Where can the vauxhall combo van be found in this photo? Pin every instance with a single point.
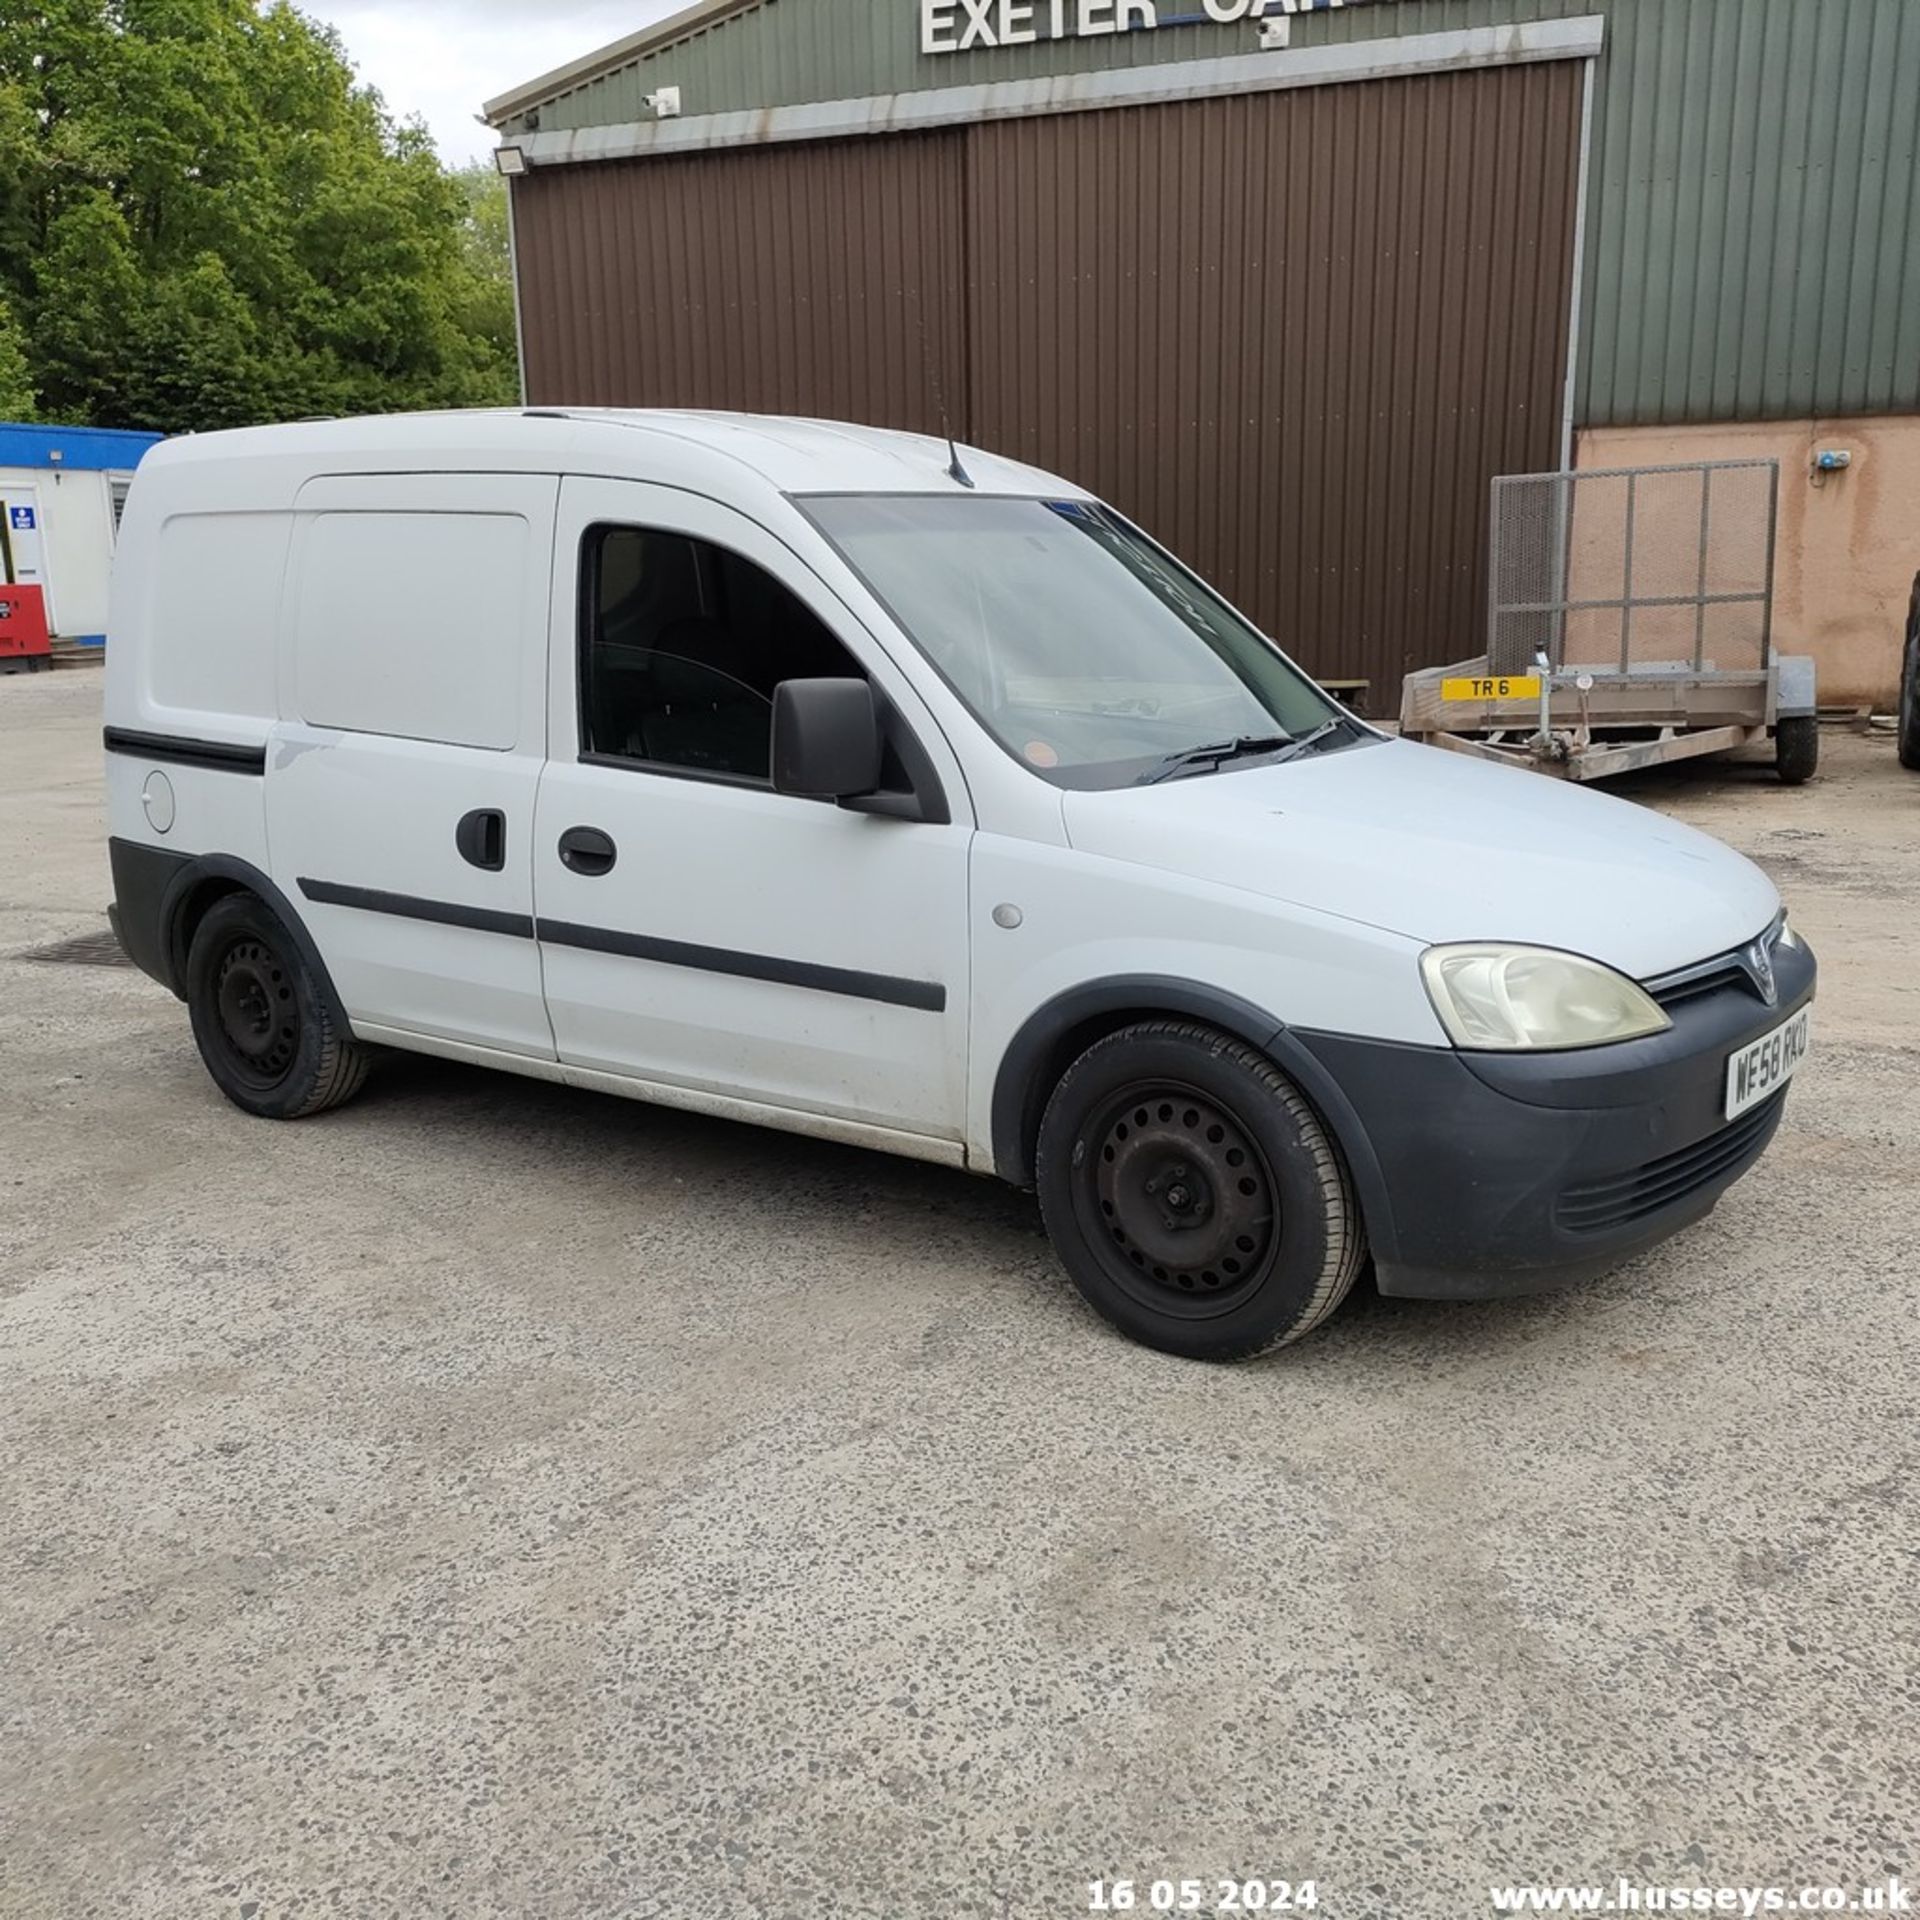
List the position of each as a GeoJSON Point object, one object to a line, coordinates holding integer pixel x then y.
{"type": "Point", "coordinates": [856, 784]}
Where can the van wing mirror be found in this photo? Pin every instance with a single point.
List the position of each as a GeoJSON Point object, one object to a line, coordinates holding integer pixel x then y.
{"type": "Point", "coordinates": [826, 739]}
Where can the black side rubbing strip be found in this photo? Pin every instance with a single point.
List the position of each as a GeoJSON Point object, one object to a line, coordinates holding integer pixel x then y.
{"type": "Point", "coordinates": [925, 996]}
{"type": "Point", "coordinates": [214, 755]}
{"type": "Point", "coordinates": [407, 906]}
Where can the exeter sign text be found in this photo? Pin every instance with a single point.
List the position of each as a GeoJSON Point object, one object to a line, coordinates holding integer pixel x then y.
{"type": "Point", "coordinates": [958, 26]}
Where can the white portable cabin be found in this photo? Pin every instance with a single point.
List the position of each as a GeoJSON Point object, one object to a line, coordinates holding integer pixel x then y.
{"type": "Point", "coordinates": [61, 492]}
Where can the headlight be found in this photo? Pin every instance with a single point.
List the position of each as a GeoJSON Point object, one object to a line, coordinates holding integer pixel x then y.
{"type": "Point", "coordinates": [1532, 998]}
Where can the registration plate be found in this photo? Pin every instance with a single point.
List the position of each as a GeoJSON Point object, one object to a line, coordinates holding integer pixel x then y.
{"type": "Point", "coordinates": [1768, 1064]}
{"type": "Point", "coordinates": [1508, 686]}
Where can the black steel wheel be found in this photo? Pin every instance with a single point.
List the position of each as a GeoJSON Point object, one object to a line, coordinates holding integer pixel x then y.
{"type": "Point", "coordinates": [259, 1019]}
{"type": "Point", "coordinates": [1192, 1194]}
{"type": "Point", "coordinates": [1185, 1200]}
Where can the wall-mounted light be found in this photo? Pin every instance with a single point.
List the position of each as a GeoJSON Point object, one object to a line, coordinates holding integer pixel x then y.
{"type": "Point", "coordinates": [665, 103]}
{"type": "Point", "coordinates": [1826, 463]}
{"type": "Point", "coordinates": [512, 161]}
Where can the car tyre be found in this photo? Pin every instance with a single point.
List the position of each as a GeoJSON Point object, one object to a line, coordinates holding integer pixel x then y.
{"type": "Point", "coordinates": [1796, 749]}
{"type": "Point", "coordinates": [260, 1020]}
{"type": "Point", "coordinates": [1193, 1195]}
{"type": "Point", "coordinates": [1909, 735]}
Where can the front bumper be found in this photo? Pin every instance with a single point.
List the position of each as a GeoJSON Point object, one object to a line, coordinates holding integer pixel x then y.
{"type": "Point", "coordinates": [1491, 1174]}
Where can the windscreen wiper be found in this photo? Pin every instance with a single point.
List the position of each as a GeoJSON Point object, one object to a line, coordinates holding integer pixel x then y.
{"type": "Point", "coordinates": [1306, 742]}
{"type": "Point", "coordinates": [1210, 758]}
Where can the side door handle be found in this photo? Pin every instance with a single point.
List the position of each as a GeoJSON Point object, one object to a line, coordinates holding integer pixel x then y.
{"type": "Point", "coordinates": [588, 852]}
{"type": "Point", "coordinates": [481, 838]}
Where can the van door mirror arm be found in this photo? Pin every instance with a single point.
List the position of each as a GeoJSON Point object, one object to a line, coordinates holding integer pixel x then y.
{"type": "Point", "coordinates": [832, 739]}
{"type": "Point", "coordinates": [889, 806]}
{"type": "Point", "coordinates": [925, 799]}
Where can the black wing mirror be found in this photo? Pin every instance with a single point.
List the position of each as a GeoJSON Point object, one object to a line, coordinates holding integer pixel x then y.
{"type": "Point", "coordinates": [826, 739]}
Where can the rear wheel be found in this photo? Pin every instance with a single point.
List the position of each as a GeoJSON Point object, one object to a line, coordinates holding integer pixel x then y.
{"type": "Point", "coordinates": [1193, 1196]}
{"type": "Point", "coordinates": [1796, 749]}
{"type": "Point", "coordinates": [1910, 685]}
{"type": "Point", "coordinates": [259, 1018]}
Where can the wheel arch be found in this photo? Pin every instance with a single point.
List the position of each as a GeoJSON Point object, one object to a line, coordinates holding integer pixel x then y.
{"type": "Point", "coordinates": [1056, 1035]}
{"type": "Point", "coordinates": [209, 878]}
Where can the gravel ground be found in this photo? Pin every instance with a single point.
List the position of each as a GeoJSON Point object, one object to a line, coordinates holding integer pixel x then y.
{"type": "Point", "coordinates": [495, 1500]}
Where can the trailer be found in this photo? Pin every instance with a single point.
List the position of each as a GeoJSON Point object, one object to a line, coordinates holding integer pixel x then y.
{"type": "Point", "coordinates": [1630, 623]}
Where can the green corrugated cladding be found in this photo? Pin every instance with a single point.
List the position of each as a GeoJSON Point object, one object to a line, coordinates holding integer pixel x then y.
{"type": "Point", "coordinates": [1753, 216]}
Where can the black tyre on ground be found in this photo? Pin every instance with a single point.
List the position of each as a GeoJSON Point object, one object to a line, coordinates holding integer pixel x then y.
{"type": "Point", "coordinates": [1796, 749]}
{"type": "Point", "coordinates": [1193, 1195]}
{"type": "Point", "coordinates": [1910, 684]}
{"type": "Point", "coordinates": [259, 1019]}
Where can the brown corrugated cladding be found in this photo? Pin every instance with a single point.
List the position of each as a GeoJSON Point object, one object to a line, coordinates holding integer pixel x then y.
{"type": "Point", "coordinates": [1295, 334]}
{"type": "Point", "coordinates": [816, 279]}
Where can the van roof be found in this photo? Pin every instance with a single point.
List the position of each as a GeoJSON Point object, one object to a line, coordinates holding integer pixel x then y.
{"type": "Point", "coordinates": [791, 455]}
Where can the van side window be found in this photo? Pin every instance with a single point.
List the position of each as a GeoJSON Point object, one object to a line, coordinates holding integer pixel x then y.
{"type": "Point", "coordinates": [683, 644]}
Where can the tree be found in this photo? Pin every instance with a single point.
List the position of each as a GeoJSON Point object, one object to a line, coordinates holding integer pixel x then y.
{"type": "Point", "coordinates": [16, 380]}
{"type": "Point", "coordinates": [488, 251]}
{"type": "Point", "coordinates": [204, 221]}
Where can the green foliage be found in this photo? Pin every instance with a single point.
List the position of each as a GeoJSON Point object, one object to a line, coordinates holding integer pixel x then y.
{"type": "Point", "coordinates": [16, 378]}
{"type": "Point", "coordinates": [204, 223]}
{"type": "Point", "coordinates": [488, 252]}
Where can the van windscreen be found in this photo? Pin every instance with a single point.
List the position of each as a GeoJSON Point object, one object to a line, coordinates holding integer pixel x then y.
{"type": "Point", "coordinates": [1091, 655]}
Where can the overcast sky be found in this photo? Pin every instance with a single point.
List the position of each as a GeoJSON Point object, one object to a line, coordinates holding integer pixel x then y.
{"type": "Point", "coordinates": [442, 58]}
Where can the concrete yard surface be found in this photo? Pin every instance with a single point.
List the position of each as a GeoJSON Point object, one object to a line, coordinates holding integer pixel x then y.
{"type": "Point", "coordinates": [492, 1500]}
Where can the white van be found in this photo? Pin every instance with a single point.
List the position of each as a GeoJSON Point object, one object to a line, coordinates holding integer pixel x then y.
{"type": "Point", "coordinates": [840, 781]}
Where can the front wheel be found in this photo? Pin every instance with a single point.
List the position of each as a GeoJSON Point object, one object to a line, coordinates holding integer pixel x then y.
{"type": "Point", "coordinates": [259, 1018]}
{"type": "Point", "coordinates": [1193, 1196]}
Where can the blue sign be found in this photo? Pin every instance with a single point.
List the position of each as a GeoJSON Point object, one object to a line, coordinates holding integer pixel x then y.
{"type": "Point", "coordinates": [22, 517]}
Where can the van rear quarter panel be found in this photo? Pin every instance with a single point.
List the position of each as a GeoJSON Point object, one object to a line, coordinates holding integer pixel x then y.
{"type": "Point", "coordinates": [191, 646]}
{"type": "Point", "coordinates": [196, 594]}
{"type": "Point", "coordinates": [212, 812]}
{"type": "Point", "coordinates": [216, 584]}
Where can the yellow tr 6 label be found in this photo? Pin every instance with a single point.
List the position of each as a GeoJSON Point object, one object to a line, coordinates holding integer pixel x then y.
{"type": "Point", "coordinates": [1510, 686]}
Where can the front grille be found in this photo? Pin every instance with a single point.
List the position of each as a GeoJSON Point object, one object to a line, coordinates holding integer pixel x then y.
{"type": "Point", "coordinates": [1745, 969]}
{"type": "Point", "coordinates": [1696, 985]}
{"type": "Point", "coordinates": [1662, 1183]}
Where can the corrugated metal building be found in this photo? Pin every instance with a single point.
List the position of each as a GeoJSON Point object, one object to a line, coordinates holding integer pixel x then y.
{"type": "Point", "coordinates": [1292, 305]}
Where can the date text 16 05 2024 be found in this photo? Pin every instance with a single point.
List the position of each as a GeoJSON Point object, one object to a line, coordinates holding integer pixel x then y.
{"type": "Point", "coordinates": [1214, 1894]}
